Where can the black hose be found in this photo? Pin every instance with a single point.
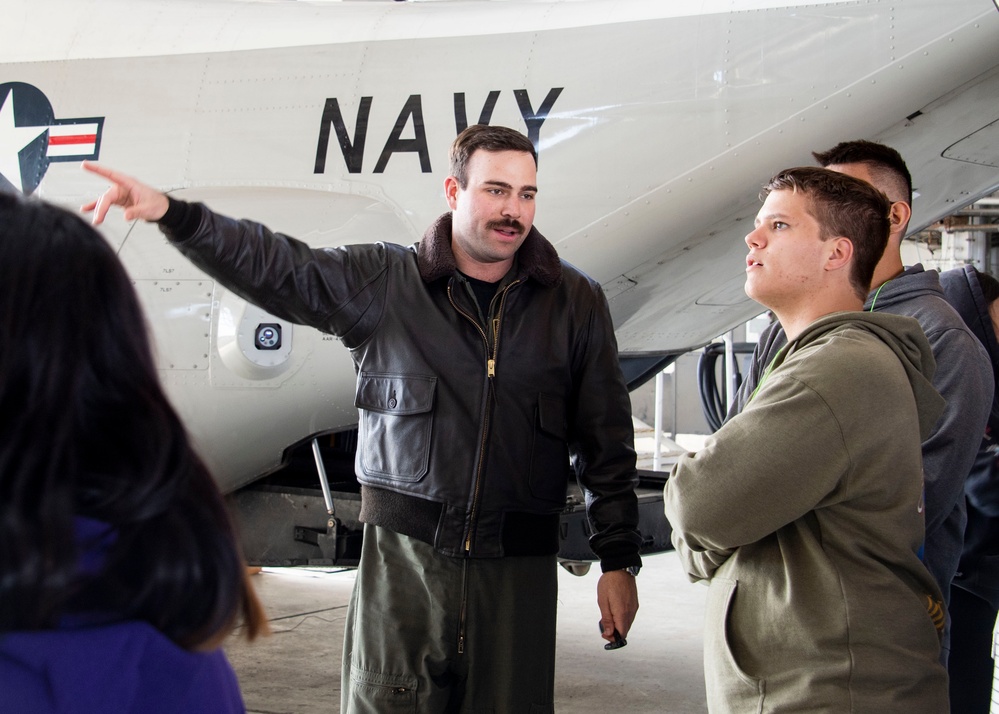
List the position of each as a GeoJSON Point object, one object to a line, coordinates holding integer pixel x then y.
{"type": "Point", "coordinates": [714, 398]}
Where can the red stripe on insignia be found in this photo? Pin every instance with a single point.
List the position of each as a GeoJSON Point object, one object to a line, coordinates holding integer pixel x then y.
{"type": "Point", "coordinates": [77, 139]}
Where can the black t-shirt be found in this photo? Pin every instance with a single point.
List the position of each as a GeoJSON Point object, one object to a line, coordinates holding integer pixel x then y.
{"type": "Point", "coordinates": [483, 291]}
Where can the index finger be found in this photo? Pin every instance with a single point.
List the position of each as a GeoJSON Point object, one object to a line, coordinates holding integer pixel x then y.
{"type": "Point", "coordinates": [109, 174]}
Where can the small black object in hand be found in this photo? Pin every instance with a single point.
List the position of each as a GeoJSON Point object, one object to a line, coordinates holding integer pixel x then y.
{"type": "Point", "coordinates": [618, 642]}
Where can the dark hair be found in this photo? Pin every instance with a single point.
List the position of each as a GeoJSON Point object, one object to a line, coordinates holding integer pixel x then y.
{"type": "Point", "coordinates": [487, 138]}
{"type": "Point", "coordinates": [885, 164]}
{"type": "Point", "coordinates": [843, 206]}
{"type": "Point", "coordinates": [86, 432]}
{"type": "Point", "coordinates": [989, 285]}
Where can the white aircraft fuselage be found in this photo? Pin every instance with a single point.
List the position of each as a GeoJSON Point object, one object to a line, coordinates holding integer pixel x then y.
{"type": "Point", "coordinates": [656, 122]}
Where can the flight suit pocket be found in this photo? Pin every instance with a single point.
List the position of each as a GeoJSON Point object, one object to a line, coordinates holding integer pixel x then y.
{"type": "Point", "coordinates": [396, 423]}
{"type": "Point", "coordinates": [377, 693]}
{"type": "Point", "coordinates": [550, 453]}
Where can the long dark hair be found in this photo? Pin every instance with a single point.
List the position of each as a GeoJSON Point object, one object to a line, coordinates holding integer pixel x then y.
{"type": "Point", "coordinates": [86, 431]}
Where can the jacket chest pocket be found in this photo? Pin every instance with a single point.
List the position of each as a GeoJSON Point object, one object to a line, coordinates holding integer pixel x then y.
{"type": "Point", "coordinates": [395, 426]}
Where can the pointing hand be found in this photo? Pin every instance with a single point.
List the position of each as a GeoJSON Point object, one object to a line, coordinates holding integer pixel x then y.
{"type": "Point", "coordinates": [139, 200]}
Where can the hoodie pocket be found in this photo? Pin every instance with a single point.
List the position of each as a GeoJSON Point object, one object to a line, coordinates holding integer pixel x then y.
{"type": "Point", "coordinates": [724, 677]}
{"type": "Point", "coordinates": [549, 473]}
{"type": "Point", "coordinates": [395, 426]}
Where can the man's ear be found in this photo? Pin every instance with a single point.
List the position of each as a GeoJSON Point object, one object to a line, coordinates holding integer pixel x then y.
{"type": "Point", "coordinates": [840, 253]}
{"type": "Point", "coordinates": [899, 216]}
{"type": "Point", "coordinates": [451, 192]}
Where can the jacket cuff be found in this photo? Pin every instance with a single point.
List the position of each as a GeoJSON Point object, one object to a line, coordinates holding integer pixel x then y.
{"type": "Point", "coordinates": [620, 562]}
{"type": "Point", "coordinates": [181, 220]}
{"type": "Point", "coordinates": [619, 554]}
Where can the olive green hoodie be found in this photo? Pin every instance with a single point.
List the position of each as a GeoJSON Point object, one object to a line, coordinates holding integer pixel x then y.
{"type": "Point", "coordinates": [805, 514]}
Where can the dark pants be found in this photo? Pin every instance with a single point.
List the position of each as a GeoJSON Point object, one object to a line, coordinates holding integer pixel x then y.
{"type": "Point", "coordinates": [428, 633]}
{"type": "Point", "coordinates": [970, 666]}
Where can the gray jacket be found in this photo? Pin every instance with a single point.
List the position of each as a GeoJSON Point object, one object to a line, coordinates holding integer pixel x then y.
{"type": "Point", "coordinates": [466, 425]}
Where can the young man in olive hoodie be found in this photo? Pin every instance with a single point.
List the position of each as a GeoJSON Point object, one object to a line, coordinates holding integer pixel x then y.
{"type": "Point", "coordinates": [804, 513]}
{"type": "Point", "coordinates": [963, 375]}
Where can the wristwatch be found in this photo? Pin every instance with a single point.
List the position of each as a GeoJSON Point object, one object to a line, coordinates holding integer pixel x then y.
{"type": "Point", "coordinates": [632, 569]}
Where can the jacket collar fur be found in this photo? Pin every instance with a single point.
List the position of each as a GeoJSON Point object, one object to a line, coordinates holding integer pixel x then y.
{"type": "Point", "coordinates": [536, 257]}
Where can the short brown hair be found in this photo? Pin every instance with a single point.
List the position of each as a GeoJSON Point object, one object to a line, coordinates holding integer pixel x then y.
{"type": "Point", "coordinates": [843, 206]}
{"type": "Point", "coordinates": [487, 138]}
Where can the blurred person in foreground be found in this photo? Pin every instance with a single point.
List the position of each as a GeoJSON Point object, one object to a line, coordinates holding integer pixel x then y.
{"type": "Point", "coordinates": [120, 573]}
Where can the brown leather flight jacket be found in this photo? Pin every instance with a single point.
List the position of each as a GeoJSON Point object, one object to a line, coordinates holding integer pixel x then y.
{"type": "Point", "coordinates": [470, 426]}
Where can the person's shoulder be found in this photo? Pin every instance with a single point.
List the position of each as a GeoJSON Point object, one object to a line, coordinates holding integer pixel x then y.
{"type": "Point", "coordinates": [844, 356]}
{"type": "Point", "coordinates": [198, 681]}
{"type": "Point", "coordinates": [571, 272]}
{"type": "Point", "coordinates": [919, 295]}
{"type": "Point", "coordinates": [24, 678]}
{"type": "Point", "coordinates": [151, 671]}
{"type": "Point", "coordinates": [24, 691]}
{"type": "Point", "coordinates": [931, 309]}
{"type": "Point", "coordinates": [380, 253]}
{"type": "Point", "coordinates": [951, 340]}
{"type": "Point", "coordinates": [575, 280]}
{"type": "Point", "coordinates": [844, 341]}
{"type": "Point", "coordinates": [389, 248]}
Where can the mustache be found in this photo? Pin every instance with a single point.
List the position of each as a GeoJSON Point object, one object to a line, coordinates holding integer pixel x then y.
{"type": "Point", "coordinates": [507, 223]}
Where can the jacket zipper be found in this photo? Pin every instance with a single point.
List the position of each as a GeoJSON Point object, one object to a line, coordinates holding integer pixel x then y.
{"type": "Point", "coordinates": [490, 374]}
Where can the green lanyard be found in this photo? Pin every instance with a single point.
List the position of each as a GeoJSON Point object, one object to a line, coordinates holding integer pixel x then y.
{"type": "Point", "coordinates": [878, 293]}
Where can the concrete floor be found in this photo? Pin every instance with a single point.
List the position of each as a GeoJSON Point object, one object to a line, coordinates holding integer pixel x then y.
{"type": "Point", "coordinates": [297, 669]}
